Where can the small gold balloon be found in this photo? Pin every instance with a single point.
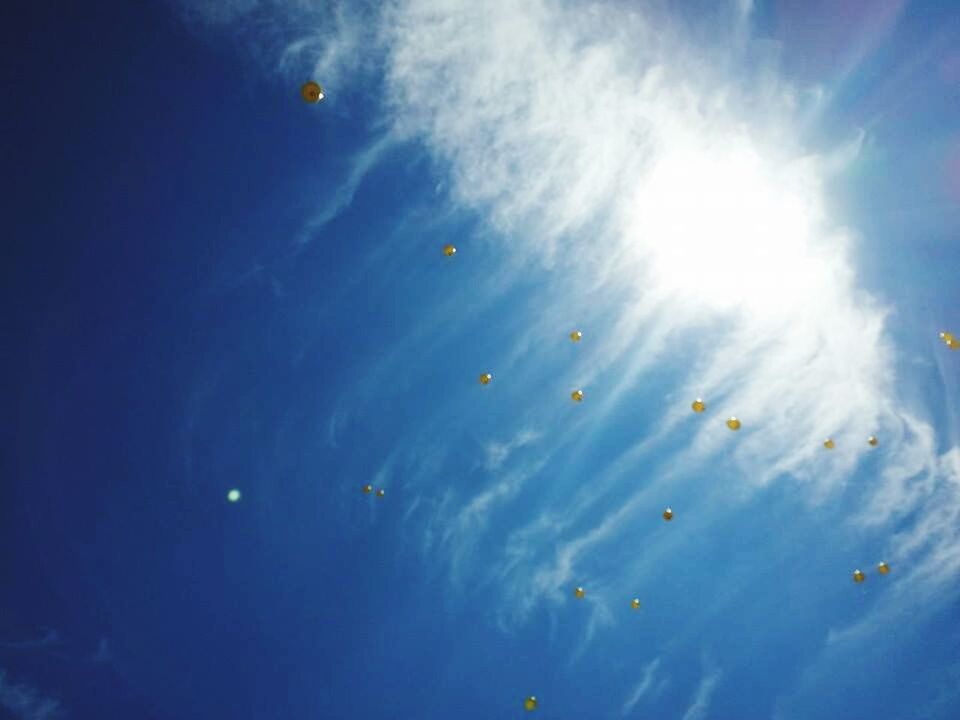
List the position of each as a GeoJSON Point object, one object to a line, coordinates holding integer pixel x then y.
{"type": "Point", "coordinates": [381, 492]}
{"type": "Point", "coordinates": [828, 444]}
{"type": "Point", "coordinates": [530, 704]}
{"type": "Point", "coordinates": [733, 423]}
{"type": "Point", "coordinates": [311, 92]}
{"type": "Point", "coordinates": [576, 336]}
{"type": "Point", "coordinates": [883, 568]}
{"type": "Point", "coordinates": [635, 603]}
{"type": "Point", "coordinates": [873, 440]}
{"type": "Point", "coordinates": [668, 514]}
{"type": "Point", "coordinates": [367, 489]}
{"type": "Point", "coordinates": [449, 250]}
{"type": "Point", "coordinates": [580, 593]}
{"type": "Point", "coordinates": [953, 343]}
{"type": "Point", "coordinates": [946, 337]}
{"type": "Point", "coordinates": [698, 405]}
{"type": "Point", "coordinates": [858, 576]}
{"type": "Point", "coordinates": [486, 378]}
{"type": "Point", "coordinates": [577, 395]}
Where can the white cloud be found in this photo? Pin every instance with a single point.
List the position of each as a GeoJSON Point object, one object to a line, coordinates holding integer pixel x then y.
{"type": "Point", "coordinates": [643, 687]}
{"type": "Point", "coordinates": [497, 453]}
{"type": "Point", "coordinates": [666, 185]}
{"type": "Point", "coordinates": [700, 705]}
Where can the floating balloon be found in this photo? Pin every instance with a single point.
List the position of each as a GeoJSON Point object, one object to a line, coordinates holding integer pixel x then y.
{"type": "Point", "coordinates": [883, 568]}
{"type": "Point", "coordinates": [947, 337]}
{"type": "Point", "coordinates": [486, 378]}
{"type": "Point", "coordinates": [530, 703]}
{"type": "Point", "coordinates": [576, 336]}
{"type": "Point", "coordinates": [953, 343]}
{"type": "Point", "coordinates": [828, 444]}
{"type": "Point", "coordinates": [858, 576]}
{"type": "Point", "coordinates": [733, 423]}
{"type": "Point", "coordinates": [635, 603]}
{"type": "Point", "coordinates": [234, 495]}
{"type": "Point", "coordinates": [580, 593]}
{"type": "Point", "coordinates": [668, 514]}
{"type": "Point", "coordinates": [873, 440]}
{"type": "Point", "coordinates": [698, 405]}
{"type": "Point", "coordinates": [367, 489]}
{"type": "Point", "coordinates": [381, 492]}
{"type": "Point", "coordinates": [449, 250]}
{"type": "Point", "coordinates": [577, 395]}
{"type": "Point", "coordinates": [311, 92]}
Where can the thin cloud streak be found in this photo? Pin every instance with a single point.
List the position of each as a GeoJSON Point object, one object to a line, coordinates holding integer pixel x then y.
{"type": "Point", "coordinates": [643, 687]}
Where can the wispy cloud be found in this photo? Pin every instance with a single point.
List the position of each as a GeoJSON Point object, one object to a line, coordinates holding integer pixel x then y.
{"type": "Point", "coordinates": [498, 452]}
{"type": "Point", "coordinates": [25, 702]}
{"type": "Point", "coordinates": [664, 183]}
{"type": "Point", "coordinates": [700, 705]}
{"type": "Point", "coordinates": [643, 687]}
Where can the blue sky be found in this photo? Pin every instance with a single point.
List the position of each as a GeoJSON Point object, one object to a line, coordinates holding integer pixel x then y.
{"type": "Point", "coordinates": [212, 285]}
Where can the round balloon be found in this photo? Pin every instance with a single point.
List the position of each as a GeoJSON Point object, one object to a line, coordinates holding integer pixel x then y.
{"type": "Point", "coordinates": [311, 92]}
{"type": "Point", "coordinates": [698, 405]}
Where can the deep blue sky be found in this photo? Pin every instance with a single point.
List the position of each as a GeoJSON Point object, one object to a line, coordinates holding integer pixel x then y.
{"type": "Point", "coordinates": [174, 328]}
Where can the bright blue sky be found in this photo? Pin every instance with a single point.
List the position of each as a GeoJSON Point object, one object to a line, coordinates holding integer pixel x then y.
{"type": "Point", "coordinates": [210, 284]}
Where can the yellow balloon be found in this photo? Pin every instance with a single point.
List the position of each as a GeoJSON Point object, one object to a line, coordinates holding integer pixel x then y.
{"type": "Point", "coordinates": [576, 336]}
{"type": "Point", "coordinates": [828, 444]}
{"type": "Point", "coordinates": [947, 337]}
{"type": "Point", "coordinates": [953, 343]}
{"type": "Point", "coordinates": [883, 568]}
{"type": "Point", "coordinates": [873, 440]}
{"type": "Point", "coordinates": [577, 395]}
{"type": "Point", "coordinates": [668, 514]}
{"type": "Point", "coordinates": [367, 489]}
{"type": "Point", "coordinates": [381, 492]}
{"type": "Point", "coordinates": [698, 405]}
{"type": "Point", "coordinates": [449, 250]}
{"type": "Point", "coordinates": [858, 576]}
{"type": "Point", "coordinates": [733, 423]}
{"type": "Point", "coordinates": [486, 378]}
{"type": "Point", "coordinates": [530, 703]}
{"type": "Point", "coordinates": [311, 92]}
{"type": "Point", "coordinates": [635, 603]}
{"type": "Point", "coordinates": [580, 593]}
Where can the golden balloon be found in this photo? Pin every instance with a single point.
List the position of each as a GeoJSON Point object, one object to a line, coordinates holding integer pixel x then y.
{"type": "Point", "coordinates": [698, 405]}
{"type": "Point", "coordinates": [530, 703]}
{"type": "Point", "coordinates": [311, 92]}
{"type": "Point", "coordinates": [449, 250]}
{"type": "Point", "coordinates": [381, 492]}
{"type": "Point", "coordinates": [883, 568]}
{"type": "Point", "coordinates": [576, 336]}
{"type": "Point", "coordinates": [873, 440]}
{"type": "Point", "coordinates": [828, 444]}
{"type": "Point", "coordinates": [635, 603]}
{"type": "Point", "coordinates": [486, 378]}
{"type": "Point", "coordinates": [733, 423]}
{"type": "Point", "coordinates": [858, 576]}
{"type": "Point", "coordinates": [953, 343]}
{"type": "Point", "coordinates": [668, 514]}
{"type": "Point", "coordinates": [580, 593]}
{"type": "Point", "coordinates": [946, 337]}
{"type": "Point", "coordinates": [577, 395]}
{"type": "Point", "coordinates": [367, 489]}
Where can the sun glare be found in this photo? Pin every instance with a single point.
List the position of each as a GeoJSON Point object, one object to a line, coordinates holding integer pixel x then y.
{"type": "Point", "coordinates": [725, 229]}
